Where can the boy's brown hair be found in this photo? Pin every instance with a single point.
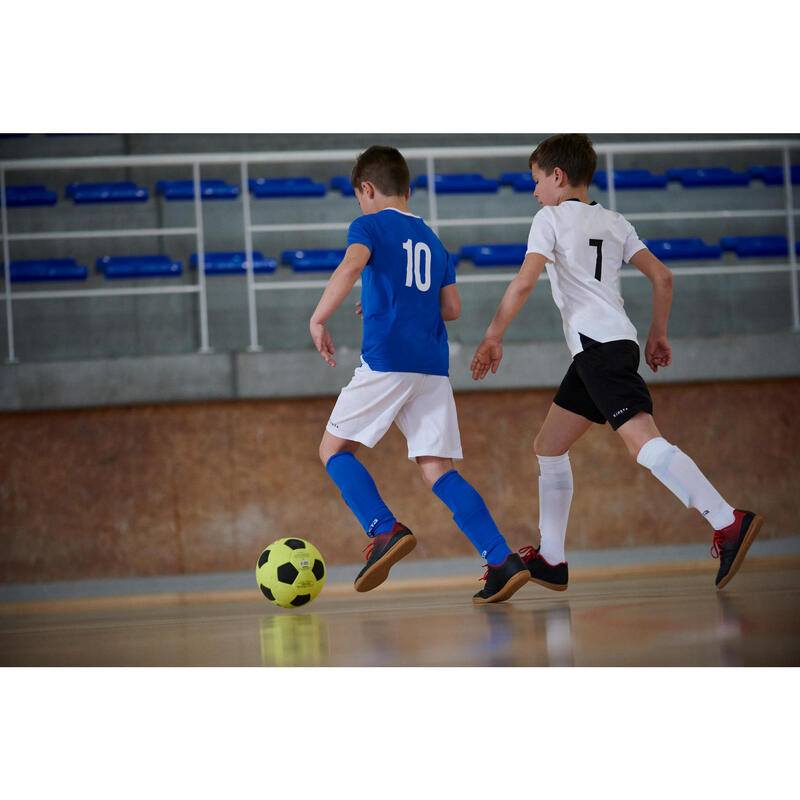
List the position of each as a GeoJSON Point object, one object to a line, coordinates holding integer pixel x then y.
{"type": "Point", "coordinates": [385, 168]}
{"type": "Point", "coordinates": [571, 152]}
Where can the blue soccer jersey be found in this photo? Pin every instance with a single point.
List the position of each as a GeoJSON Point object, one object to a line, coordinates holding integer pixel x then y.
{"type": "Point", "coordinates": [407, 268]}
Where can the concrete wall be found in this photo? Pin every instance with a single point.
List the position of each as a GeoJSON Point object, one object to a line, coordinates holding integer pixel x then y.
{"type": "Point", "coordinates": [203, 487]}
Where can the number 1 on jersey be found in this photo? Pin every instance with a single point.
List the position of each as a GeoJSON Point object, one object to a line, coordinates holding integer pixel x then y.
{"type": "Point", "coordinates": [598, 268]}
{"type": "Point", "coordinates": [414, 265]}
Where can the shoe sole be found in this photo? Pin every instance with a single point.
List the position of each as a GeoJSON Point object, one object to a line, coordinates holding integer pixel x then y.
{"type": "Point", "coordinates": [556, 587]}
{"type": "Point", "coordinates": [379, 571]}
{"type": "Point", "coordinates": [514, 583]}
{"type": "Point", "coordinates": [752, 531]}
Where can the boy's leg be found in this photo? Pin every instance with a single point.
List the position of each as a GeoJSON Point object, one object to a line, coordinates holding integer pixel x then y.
{"type": "Point", "coordinates": [364, 411]}
{"type": "Point", "coordinates": [355, 483]}
{"type": "Point", "coordinates": [391, 540]}
{"type": "Point", "coordinates": [469, 510]}
{"type": "Point", "coordinates": [735, 529]}
{"type": "Point", "coordinates": [560, 430]}
{"type": "Point", "coordinates": [505, 570]}
{"type": "Point", "coordinates": [674, 469]}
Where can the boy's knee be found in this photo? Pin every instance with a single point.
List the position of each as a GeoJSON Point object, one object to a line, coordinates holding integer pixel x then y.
{"type": "Point", "coordinates": [432, 468]}
{"type": "Point", "coordinates": [541, 447]}
{"type": "Point", "coordinates": [327, 449]}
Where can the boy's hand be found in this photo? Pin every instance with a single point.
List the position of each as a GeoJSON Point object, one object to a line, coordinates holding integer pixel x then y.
{"type": "Point", "coordinates": [488, 354]}
{"type": "Point", "coordinates": [359, 312]}
{"type": "Point", "coordinates": [657, 352]}
{"type": "Point", "coordinates": [322, 341]}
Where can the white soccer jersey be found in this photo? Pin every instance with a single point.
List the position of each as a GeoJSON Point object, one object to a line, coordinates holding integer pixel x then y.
{"type": "Point", "coordinates": [585, 245]}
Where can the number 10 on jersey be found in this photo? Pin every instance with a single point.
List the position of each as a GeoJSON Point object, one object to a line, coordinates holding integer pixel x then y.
{"type": "Point", "coordinates": [414, 268]}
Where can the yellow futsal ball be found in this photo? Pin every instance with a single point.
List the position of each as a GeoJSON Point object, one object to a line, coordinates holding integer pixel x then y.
{"type": "Point", "coordinates": [290, 572]}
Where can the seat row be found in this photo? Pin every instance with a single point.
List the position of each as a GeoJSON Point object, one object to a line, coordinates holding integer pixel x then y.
{"type": "Point", "coordinates": [322, 260]}
{"type": "Point", "coordinates": [469, 183]}
{"type": "Point", "coordinates": [688, 249]}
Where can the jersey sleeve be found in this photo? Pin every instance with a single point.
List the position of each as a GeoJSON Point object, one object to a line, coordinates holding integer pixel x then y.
{"type": "Point", "coordinates": [542, 238]}
{"type": "Point", "coordinates": [633, 244]}
{"type": "Point", "coordinates": [359, 233]}
{"type": "Point", "coordinates": [449, 271]}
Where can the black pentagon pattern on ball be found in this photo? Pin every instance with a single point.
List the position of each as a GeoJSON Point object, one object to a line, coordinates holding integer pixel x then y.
{"type": "Point", "coordinates": [264, 558]}
{"type": "Point", "coordinates": [301, 599]}
{"type": "Point", "coordinates": [295, 544]}
{"type": "Point", "coordinates": [267, 593]}
{"type": "Point", "coordinates": [318, 569]}
{"type": "Point", "coordinates": [287, 573]}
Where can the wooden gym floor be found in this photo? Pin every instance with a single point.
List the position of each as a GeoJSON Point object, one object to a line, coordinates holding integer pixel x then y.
{"type": "Point", "coordinates": [667, 617]}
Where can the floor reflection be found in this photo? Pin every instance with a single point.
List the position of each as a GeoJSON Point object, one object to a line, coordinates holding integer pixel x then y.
{"type": "Point", "coordinates": [294, 640]}
{"type": "Point", "coordinates": [729, 631]}
{"type": "Point", "coordinates": [525, 637]}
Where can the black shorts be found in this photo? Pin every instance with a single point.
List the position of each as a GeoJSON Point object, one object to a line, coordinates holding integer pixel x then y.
{"type": "Point", "coordinates": [603, 383]}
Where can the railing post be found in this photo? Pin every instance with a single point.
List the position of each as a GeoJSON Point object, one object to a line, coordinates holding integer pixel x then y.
{"type": "Point", "coordinates": [201, 259]}
{"type": "Point", "coordinates": [612, 193]}
{"type": "Point", "coordinates": [253, 347]}
{"type": "Point", "coordinates": [7, 268]}
{"type": "Point", "coordinates": [433, 215]}
{"type": "Point", "coordinates": [787, 188]}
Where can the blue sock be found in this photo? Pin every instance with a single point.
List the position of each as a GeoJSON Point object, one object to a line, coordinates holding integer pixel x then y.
{"type": "Point", "coordinates": [360, 493]}
{"type": "Point", "coordinates": [472, 516]}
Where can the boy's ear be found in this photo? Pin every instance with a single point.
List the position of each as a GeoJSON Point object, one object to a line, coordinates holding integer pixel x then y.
{"type": "Point", "coordinates": [367, 189]}
{"type": "Point", "coordinates": [561, 177]}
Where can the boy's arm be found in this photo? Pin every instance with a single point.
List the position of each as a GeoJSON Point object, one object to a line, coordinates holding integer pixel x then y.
{"type": "Point", "coordinates": [339, 286]}
{"type": "Point", "coordinates": [490, 350]}
{"type": "Point", "coordinates": [450, 302]}
{"type": "Point", "coordinates": [657, 352]}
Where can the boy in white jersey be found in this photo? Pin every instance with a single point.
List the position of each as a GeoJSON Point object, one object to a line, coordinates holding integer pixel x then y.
{"type": "Point", "coordinates": [408, 291]}
{"type": "Point", "coordinates": [583, 245]}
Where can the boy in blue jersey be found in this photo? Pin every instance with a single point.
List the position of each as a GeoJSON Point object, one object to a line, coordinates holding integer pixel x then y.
{"type": "Point", "coordinates": [408, 291]}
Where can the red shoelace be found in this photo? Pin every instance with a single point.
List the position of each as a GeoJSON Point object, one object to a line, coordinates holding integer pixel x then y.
{"type": "Point", "coordinates": [716, 544]}
{"type": "Point", "coordinates": [368, 549]}
{"type": "Point", "coordinates": [527, 553]}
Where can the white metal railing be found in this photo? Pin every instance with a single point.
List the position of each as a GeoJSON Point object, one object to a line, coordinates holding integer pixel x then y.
{"type": "Point", "coordinates": [429, 155]}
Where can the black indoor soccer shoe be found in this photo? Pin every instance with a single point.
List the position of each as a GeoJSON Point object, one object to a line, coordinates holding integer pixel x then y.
{"type": "Point", "coordinates": [502, 580]}
{"type": "Point", "coordinates": [730, 545]}
{"type": "Point", "coordinates": [383, 552]}
{"type": "Point", "coordinates": [551, 576]}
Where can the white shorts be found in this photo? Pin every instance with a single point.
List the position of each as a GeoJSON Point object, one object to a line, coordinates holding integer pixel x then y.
{"type": "Point", "coordinates": [422, 406]}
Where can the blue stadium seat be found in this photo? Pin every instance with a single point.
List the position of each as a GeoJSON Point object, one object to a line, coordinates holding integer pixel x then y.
{"type": "Point", "coordinates": [119, 192]}
{"type": "Point", "coordinates": [494, 255]}
{"type": "Point", "coordinates": [286, 187]}
{"type": "Point", "coordinates": [311, 260]}
{"type": "Point", "coordinates": [630, 179]}
{"type": "Point", "coordinates": [773, 176]}
{"type": "Point", "coordinates": [710, 176]}
{"type": "Point", "coordinates": [36, 195]}
{"type": "Point", "coordinates": [674, 249]}
{"type": "Point", "coordinates": [508, 178]}
{"type": "Point", "coordinates": [471, 183]}
{"type": "Point", "coordinates": [525, 183]}
{"type": "Point", "coordinates": [750, 246]}
{"type": "Point", "coordinates": [209, 190]}
{"type": "Point", "coordinates": [50, 269]}
{"type": "Point", "coordinates": [159, 266]}
{"type": "Point", "coordinates": [342, 184]}
{"type": "Point", "coordinates": [232, 262]}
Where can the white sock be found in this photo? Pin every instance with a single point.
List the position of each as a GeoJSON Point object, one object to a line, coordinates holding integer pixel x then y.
{"type": "Point", "coordinates": [682, 477]}
{"type": "Point", "coordinates": [555, 497]}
